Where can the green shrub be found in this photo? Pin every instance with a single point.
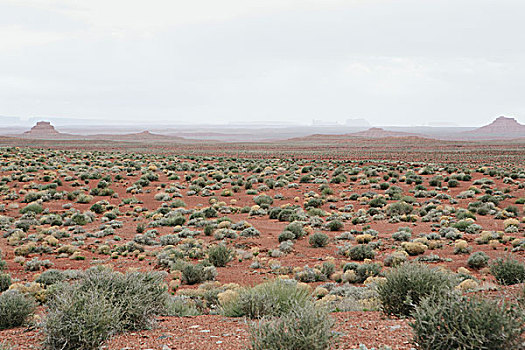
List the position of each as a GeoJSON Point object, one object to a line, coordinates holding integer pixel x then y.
{"type": "Point", "coordinates": [15, 309]}
{"type": "Point", "coordinates": [97, 208]}
{"type": "Point", "coordinates": [103, 302]}
{"type": "Point", "coordinates": [194, 274]}
{"type": "Point", "coordinates": [263, 199]}
{"type": "Point", "coordinates": [335, 225]}
{"type": "Point", "coordinates": [508, 271]}
{"type": "Point", "coordinates": [296, 228]}
{"type": "Point", "coordinates": [5, 281]}
{"type": "Point", "coordinates": [177, 220]}
{"type": "Point", "coordinates": [361, 252]}
{"type": "Point", "coordinates": [453, 183]}
{"type": "Point", "coordinates": [364, 271]}
{"type": "Point", "coordinates": [220, 255]}
{"type": "Point", "coordinates": [314, 203]}
{"type": "Point", "coordinates": [272, 298]}
{"type": "Point", "coordinates": [305, 327]}
{"type": "Point", "coordinates": [458, 322]}
{"type": "Point", "coordinates": [395, 259]}
{"type": "Point", "coordinates": [402, 236]}
{"type": "Point", "coordinates": [408, 284]}
{"type": "Point", "coordinates": [384, 185]}
{"type": "Point", "coordinates": [286, 236]}
{"type": "Point", "coordinates": [80, 319]}
{"type": "Point", "coordinates": [84, 198]}
{"type": "Point", "coordinates": [478, 260]}
{"type": "Point", "coordinates": [50, 277]}
{"type": "Point", "coordinates": [377, 202]}
{"type": "Point", "coordinates": [318, 240]}
{"type": "Point", "coordinates": [399, 208]}
{"type": "Point", "coordinates": [80, 219]}
{"type": "Point", "coordinates": [32, 208]}
{"type": "Point", "coordinates": [208, 230]}
{"type": "Point", "coordinates": [178, 203]}
{"type": "Point", "coordinates": [181, 307]}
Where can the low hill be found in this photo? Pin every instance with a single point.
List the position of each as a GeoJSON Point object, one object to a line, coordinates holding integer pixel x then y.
{"type": "Point", "coordinates": [144, 136]}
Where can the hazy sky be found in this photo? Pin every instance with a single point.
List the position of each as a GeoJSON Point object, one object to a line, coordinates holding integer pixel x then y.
{"type": "Point", "coordinates": [392, 62]}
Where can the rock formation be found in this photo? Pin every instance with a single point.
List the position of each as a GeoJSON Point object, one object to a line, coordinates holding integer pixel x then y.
{"type": "Point", "coordinates": [42, 129]}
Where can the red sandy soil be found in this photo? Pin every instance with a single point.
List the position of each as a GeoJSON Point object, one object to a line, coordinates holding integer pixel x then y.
{"type": "Point", "coordinates": [217, 332]}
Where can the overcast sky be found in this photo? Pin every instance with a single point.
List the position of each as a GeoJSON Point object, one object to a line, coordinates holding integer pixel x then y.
{"type": "Point", "coordinates": [392, 62]}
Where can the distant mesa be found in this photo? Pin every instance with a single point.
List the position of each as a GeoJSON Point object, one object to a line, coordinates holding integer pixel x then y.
{"type": "Point", "coordinates": [502, 127]}
{"type": "Point", "coordinates": [42, 128]}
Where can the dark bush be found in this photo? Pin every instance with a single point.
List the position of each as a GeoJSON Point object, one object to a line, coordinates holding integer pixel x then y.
{"type": "Point", "coordinates": [457, 322]}
{"type": "Point", "coordinates": [272, 298]}
{"type": "Point", "coordinates": [79, 319]}
{"type": "Point", "coordinates": [361, 252]}
{"type": "Point", "coordinates": [364, 271]}
{"type": "Point", "coordinates": [304, 327]}
{"type": "Point", "coordinates": [194, 274]}
{"type": "Point", "coordinates": [286, 236]}
{"type": "Point", "coordinates": [101, 303]}
{"type": "Point", "coordinates": [15, 309]}
{"type": "Point", "coordinates": [478, 260]}
{"type": "Point", "coordinates": [50, 277]}
{"type": "Point", "coordinates": [408, 284]}
{"type": "Point", "coordinates": [508, 271]}
{"type": "Point", "coordinates": [318, 240]}
{"type": "Point", "coordinates": [32, 208]}
{"type": "Point", "coordinates": [181, 307]}
{"type": "Point", "coordinates": [296, 228]}
{"type": "Point", "coordinates": [5, 281]}
{"type": "Point", "coordinates": [378, 202]}
{"type": "Point", "coordinates": [220, 255]}
{"type": "Point", "coordinates": [335, 225]}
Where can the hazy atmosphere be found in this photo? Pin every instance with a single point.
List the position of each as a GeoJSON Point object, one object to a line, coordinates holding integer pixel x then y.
{"type": "Point", "coordinates": [262, 174]}
{"type": "Point", "coordinates": [389, 62]}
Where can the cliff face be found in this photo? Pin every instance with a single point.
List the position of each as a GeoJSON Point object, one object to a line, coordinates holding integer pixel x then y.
{"type": "Point", "coordinates": [41, 129]}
